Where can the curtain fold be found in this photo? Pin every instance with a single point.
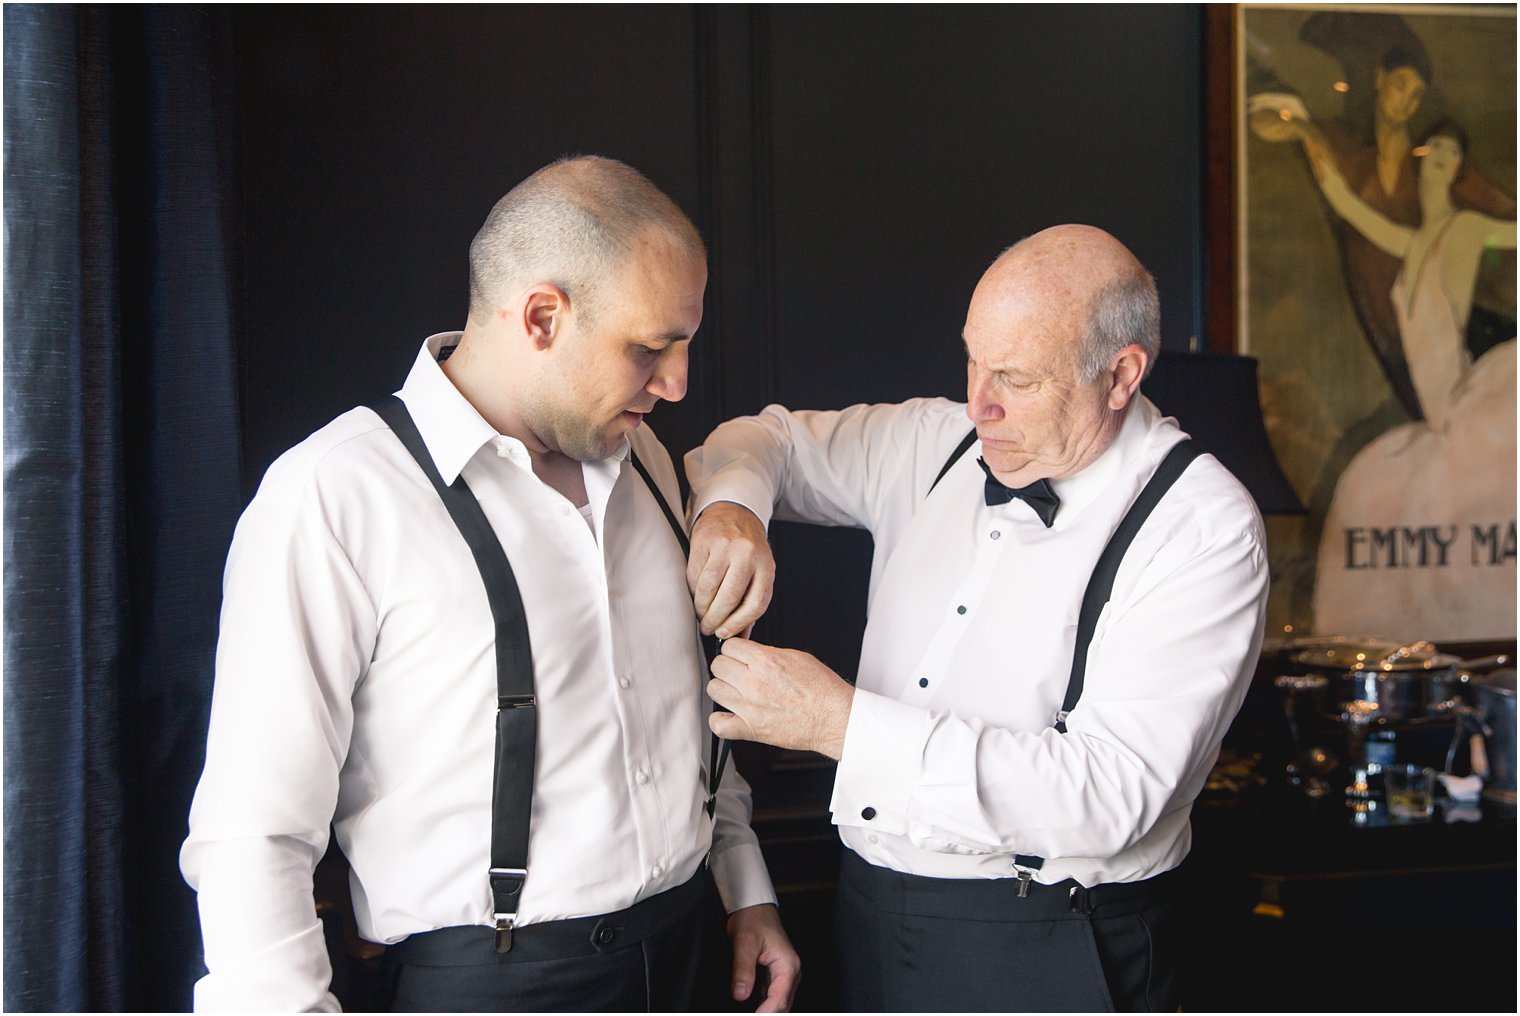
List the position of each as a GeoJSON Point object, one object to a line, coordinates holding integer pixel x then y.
{"type": "Point", "coordinates": [121, 489]}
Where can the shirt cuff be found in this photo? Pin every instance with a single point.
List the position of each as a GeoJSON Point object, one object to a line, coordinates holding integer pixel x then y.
{"type": "Point", "coordinates": [739, 872]}
{"type": "Point", "coordinates": [880, 765]}
{"type": "Point", "coordinates": [744, 491]}
{"type": "Point", "coordinates": [290, 976]}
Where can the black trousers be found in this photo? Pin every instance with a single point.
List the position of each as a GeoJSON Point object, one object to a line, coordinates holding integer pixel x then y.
{"type": "Point", "coordinates": [912, 944]}
{"type": "Point", "coordinates": [648, 958]}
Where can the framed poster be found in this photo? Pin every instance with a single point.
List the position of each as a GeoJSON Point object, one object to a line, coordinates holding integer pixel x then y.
{"type": "Point", "coordinates": [1374, 172]}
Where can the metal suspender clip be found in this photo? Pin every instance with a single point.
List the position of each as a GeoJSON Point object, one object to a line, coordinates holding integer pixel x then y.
{"type": "Point", "coordinates": [506, 883]}
{"type": "Point", "coordinates": [504, 924]}
{"type": "Point", "coordinates": [514, 702]}
{"type": "Point", "coordinates": [1026, 865]}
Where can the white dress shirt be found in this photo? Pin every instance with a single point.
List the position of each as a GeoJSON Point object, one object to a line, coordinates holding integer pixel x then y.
{"type": "Point", "coordinates": [356, 684]}
{"type": "Point", "coordinates": [951, 764]}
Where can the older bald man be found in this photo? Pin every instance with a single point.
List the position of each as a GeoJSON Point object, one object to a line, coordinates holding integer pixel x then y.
{"type": "Point", "coordinates": [1065, 607]}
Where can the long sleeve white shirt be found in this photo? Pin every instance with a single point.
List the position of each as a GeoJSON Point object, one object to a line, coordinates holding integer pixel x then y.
{"type": "Point", "coordinates": [951, 764]}
{"type": "Point", "coordinates": [356, 685]}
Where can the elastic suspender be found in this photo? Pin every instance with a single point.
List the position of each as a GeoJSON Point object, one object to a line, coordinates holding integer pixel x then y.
{"type": "Point", "coordinates": [1100, 586]}
{"type": "Point", "coordinates": [516, 709]}
{"type": "Point", "coordinates": [710, 648]}
{"type": "Point", "coordinates": [960, 449]}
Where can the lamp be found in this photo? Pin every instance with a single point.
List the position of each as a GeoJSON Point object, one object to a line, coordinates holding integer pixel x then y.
{"type": "Point", "coordinates": [1215, 399]}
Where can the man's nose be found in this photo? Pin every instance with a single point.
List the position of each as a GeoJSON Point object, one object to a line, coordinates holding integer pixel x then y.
{"type": "Point", "coordinates": [669, 378]}
{"type": "Point", "coordinates": [980, 406]}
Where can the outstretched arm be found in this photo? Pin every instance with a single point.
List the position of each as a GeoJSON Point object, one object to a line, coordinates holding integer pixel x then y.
{"type": "Point", "coordinates": [1493, 234]}
{"type": "Point", "coordinates": [827, 468]}
{"type": "Point", "coordinates": [1376, 227]}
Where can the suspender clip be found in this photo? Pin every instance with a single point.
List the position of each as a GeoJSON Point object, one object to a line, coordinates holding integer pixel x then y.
{"type": "Point", "coordinates": [1024, 866]}
{"type": "Point", "coordinates": [504, 923]}
{"type": "Point", "coordinates": [506, 889]}
{"type": "Point", "coordinates": [514, 701]}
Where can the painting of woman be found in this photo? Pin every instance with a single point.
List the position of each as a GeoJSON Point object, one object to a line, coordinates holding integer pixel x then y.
{"type": "Point", "coordinates": [1458, 463]}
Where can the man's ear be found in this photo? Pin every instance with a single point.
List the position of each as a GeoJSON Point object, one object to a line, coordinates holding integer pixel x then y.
{"type": "Point", "coordinates": [545, 308]}
{"type": "Point", "coordinates": [1127, 369]}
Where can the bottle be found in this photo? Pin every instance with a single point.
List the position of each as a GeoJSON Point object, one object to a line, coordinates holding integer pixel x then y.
{"type": "Point", "coordinates": [1380, 749]}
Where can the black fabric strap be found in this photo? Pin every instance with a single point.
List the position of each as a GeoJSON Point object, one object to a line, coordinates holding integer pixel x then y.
{"type": "Point", "coordinates": [718, 757]}
{"type": "Point", "coordinates": [1101, 586]}
{"type": "Point", "coordinates": [516, 708]}
{"type": "Point", "coordinates": [960, 449]}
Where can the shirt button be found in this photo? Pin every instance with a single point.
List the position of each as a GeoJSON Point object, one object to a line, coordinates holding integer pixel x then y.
{"type": "Point", "coordinates": [641, 776]}
{"type": "Point", "coordinates": [563, 509]}
{"type": "Point", "coordinates": [872, 839]}
{"type": "Point", "coordinates": [623, 682]}
{"type": "Point", "coordinates": [656, 871]}
{"type": "Point", "coordinates": [995, 534]}
{"type": "Point", "coordinates": [923, 682]}
{"type": "Point", "coordinates": [868, 813]}
{"type": "Point", "coordinates": [961, 609]}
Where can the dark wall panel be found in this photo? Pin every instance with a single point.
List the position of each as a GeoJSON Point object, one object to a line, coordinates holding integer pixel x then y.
{"type": "Point", "coordinates": [374, 140]}
{"type": "Point", "coordinates": [912, 144]}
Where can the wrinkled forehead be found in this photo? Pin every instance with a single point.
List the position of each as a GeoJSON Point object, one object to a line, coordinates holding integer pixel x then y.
{"type": "Point", "coordinates": [1035, 323]}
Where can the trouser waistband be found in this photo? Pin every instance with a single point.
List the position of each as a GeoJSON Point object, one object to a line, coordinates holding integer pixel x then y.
{"type": "Point", "coordinates": [998, 899]}
{"type": "Point", "coordinates": [468, 945]}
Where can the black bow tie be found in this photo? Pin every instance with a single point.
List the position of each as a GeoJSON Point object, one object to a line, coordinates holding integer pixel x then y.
{"type": "Point", "coordinates": [1039, 495]}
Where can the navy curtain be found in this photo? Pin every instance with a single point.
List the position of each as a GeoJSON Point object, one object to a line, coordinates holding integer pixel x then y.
{"type": "Point", "coordinates": [121, 489]}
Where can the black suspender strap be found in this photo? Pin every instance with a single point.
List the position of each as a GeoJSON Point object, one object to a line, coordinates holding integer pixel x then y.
{"type": "Point", "coordinates": [960, 449]}
{"type": "Point", "coordinates": [720, 748]}
{"type": "Point", "coordinates": [516, 711]}
{"type": "Point", "coordinates": [1101, 586]}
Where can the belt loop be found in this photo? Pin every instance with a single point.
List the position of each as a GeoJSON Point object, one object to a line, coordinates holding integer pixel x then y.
{"type": "Point", "coordinates": [1081, 900]}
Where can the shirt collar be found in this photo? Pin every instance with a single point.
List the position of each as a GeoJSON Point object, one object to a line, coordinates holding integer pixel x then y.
{"type": "Point", "coordinates": [1082, 488]}
{"type": "Point", "coordinates": [451, 428]}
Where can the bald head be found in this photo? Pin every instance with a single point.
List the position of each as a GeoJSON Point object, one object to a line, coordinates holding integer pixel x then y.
{"type": "Point", "coordinates": [1059, 333]}
{"type": "Point", "coordinates": [1088, 285]}
{"type": "Point", "coordinates": [574, 223]}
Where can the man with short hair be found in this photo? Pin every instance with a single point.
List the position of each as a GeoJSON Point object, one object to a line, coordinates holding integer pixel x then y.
{"type": "Point", "coordinates": [1036, 706]}
{"type": "Point", "coordinates": [485, 566]}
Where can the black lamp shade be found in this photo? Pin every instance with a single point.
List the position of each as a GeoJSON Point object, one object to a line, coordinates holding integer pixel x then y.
{"type": "Point", "coordinates": [1215, 399]}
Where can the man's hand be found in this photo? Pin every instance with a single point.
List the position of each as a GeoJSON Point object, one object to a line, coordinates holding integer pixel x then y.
{"type": "Point", "coordinates": [757, 936]}
{"type": "Point", "coordinates": [779, 696]}
{"type": "Point", "coordinates": [731, 571]}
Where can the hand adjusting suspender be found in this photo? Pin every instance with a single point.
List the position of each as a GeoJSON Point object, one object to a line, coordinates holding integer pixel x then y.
{"type": "Point", "coordinates": [1099, 588]}
{"type": "Point", "coordinates": [516, 706]}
